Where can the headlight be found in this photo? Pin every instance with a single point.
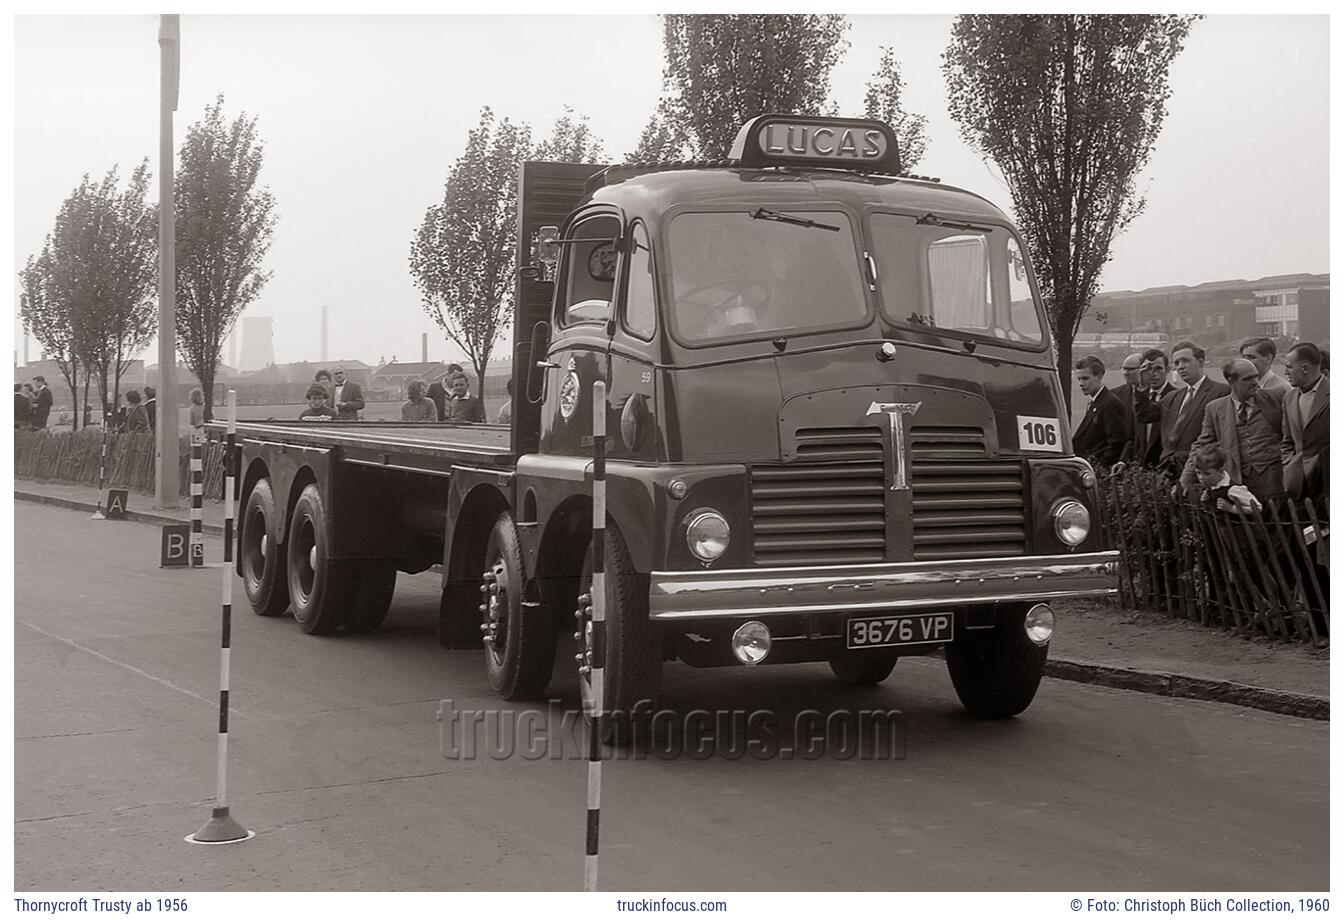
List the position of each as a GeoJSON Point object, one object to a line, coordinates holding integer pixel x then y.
{"type": "Point", "coordinates": [707, 535]}
{"type": "Point", "coordinates": [1072, 522]}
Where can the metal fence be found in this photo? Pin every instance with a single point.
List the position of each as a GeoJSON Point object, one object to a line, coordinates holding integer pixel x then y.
{"type": "Point", "coordinates": [1260, 573]}
{"type": "Point", "coordinates": [72, 456]}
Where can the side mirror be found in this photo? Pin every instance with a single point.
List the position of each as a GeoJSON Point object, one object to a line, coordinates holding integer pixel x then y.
{"type": "Point", "coordinates": [537, 364]}
{"type": "Point", "coordinates": [548, 247]}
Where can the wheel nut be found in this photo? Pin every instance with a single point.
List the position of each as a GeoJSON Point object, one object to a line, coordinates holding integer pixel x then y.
{"type": "Point", "coordinates": [585, 670]}
{"type": "Point", "coordinates": [585, 600]}
{"type": "Point", "coordinates": [578, 636]}
{"type": "Point", "coordinates": [481, 608]}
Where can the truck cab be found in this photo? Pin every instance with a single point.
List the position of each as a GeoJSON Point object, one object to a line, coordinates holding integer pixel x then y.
{"type": "Point", "coordinates": [835, 429]}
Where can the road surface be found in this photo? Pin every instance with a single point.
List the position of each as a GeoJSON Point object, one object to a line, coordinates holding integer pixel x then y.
{"type": "Point", "coordinates": [335, 763]}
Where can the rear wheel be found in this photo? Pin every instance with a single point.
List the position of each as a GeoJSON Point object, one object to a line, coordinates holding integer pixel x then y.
{"type": "Point", "coordinates": [863, 668]}
{"type": "Point", "coordinates": [996, 671]}
{"type": "Point", "coordinates": [375, 584]}
{"type": "Point", "coordinates": [519, 639]}
{"type": "Point", "coordinates": [320, 588]}
{"type": "Point", "coordinates": [633, 662]}
{"type": "Point", "coordinates": [262, 558]}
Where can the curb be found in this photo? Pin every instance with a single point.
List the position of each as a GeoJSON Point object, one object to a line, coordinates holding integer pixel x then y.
{"type": "Point", "coordinates": [1283, 702]}
{"type": "Point", "coordinates": [143, 517]}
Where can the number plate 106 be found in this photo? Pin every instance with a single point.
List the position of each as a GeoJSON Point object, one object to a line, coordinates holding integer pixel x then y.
{"type": "Point", "coordinates": [915, 629]}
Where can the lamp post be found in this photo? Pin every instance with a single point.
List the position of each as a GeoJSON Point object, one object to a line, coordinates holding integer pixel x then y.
{"type": "Point", "coordinates": [165, 445]}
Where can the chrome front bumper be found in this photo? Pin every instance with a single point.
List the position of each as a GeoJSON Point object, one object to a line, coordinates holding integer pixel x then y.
{"type": "Point", "coordinates": [760, 593]}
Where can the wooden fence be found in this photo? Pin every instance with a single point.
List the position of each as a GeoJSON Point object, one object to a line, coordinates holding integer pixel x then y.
{"type": "Point", "coordinates": [72, 456]}
{"type": "Point", "coordinates": [1253, 572]}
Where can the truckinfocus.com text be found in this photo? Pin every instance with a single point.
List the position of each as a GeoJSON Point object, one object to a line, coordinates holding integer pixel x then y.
{"type": "Point", "coordinates": [560, 733]}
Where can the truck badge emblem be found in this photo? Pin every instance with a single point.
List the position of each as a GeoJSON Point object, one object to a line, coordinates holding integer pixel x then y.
{"type": "Point", "coordinates": [900, 479]}
{"type": "Point", "coordinates": [569, 390]}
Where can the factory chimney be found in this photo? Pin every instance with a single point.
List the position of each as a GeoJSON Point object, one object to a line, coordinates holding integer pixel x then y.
{"type": "Point", "coordinates": [424, 348]}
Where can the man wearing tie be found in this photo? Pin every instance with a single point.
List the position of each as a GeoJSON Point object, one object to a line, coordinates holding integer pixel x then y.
{"type": "Point", "coordinates": [1261, 352]}
{"type": "Point", "coordinates": [1248, 425]}
{"type": "Point", "coordinates": [1180, 415]}
{"type": "Point", "coordinates": [1153, 388]}
{"type": "Point", "coordinates": [1101, 433]}
{"type": "Point", "coordinates": [1127, 393]}
{"type": "Point", "coordinates": [1306, 424]}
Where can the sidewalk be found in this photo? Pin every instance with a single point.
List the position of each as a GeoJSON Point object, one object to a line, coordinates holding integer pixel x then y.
{"type": "Point", "coordinates": [1095, 642]}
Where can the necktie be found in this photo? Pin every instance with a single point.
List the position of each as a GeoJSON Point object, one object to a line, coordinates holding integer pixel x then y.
{"type": "Point", "coordinates": [1187, 404]}
{"type": "Point", "coordinates": [1244, 413]}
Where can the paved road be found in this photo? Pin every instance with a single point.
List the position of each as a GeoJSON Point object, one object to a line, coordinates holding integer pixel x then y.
{"type": "Point", "coordinates": [336, 765]}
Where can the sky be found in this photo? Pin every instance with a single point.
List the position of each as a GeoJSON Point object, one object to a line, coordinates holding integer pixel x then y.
{"type": "Point", "coordinates": [362, 117]}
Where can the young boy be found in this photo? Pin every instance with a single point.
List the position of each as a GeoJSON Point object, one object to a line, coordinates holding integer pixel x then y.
{"type": "Point", "coordinates": [1211, 471]}
{"type": "Point", "coordinates": [318, 410]}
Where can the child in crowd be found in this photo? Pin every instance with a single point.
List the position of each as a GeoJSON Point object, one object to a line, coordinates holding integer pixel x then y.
{"type": "Point", "coordinates": [318, 410]}
{"type": "Point", "coordinates": [1211, 470]}
{"type": "Point", "coordinates": [418, 408]}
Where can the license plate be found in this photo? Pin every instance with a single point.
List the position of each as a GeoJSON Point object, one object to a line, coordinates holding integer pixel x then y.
{"type": "Point", "coordinates": [915, 629]}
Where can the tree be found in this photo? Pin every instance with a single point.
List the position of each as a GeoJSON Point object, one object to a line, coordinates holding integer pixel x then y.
{"type": "Point", "coordinates": [48, 311]}
{"type": "Point", "coordinates": [462, 256]}
{"type": "Point", "coordinates": [121, 314]}
{"type": "Point", "coordinates": [1068, 108]}
{"type": "Point", "coordinates": [571, 141]}
{"type": "Point", "coordinates": [224, 226]}
{"type": "Point", "coordinates": [882, 101]}
{"type": "Point", "coordinates": [719, 71]}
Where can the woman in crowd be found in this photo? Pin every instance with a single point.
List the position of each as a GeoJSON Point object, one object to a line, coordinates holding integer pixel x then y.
{"type": "Point", "coordinates": [197, 410]}
{"type": "Point", "coordinates": [137, 419]}
{"type": "Point", "coordinates": [417, 408]}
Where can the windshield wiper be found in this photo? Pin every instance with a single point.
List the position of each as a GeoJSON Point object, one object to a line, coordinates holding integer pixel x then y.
{"type": "Point", "coordinates": [763, 214]}
{"type": "Point", "coordinates": [937, 221]}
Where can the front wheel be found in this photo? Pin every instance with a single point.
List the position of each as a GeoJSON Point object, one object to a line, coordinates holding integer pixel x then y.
{"type": "Point", "coordinates": [519, 638]}
{"type": "Point", "coordinates": [996, 671]}
{"type": "Point", "coordinates": [633, 663]}
{"type": "Point", "coordinates": [863, 669]}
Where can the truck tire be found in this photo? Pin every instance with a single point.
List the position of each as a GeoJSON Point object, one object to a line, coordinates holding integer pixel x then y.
{"type": "Point", "coordinates": [375, 583]}
{"type": "Point", "coordinates": [320, 588]}
{"type": "Point", "coordinates": [996, 671]}
{"type": "Point", "coordinates": [519, 642]}
{"type": "Point", "coordinates": [265, 581]}
{"type": "Point", "coordinates": [634, 659]}
{"type": "Point", "coordinates": [863, 669]}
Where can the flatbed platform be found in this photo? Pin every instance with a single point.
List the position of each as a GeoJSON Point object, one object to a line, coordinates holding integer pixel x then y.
{"type": "Point", "coordinates": [422, 446]}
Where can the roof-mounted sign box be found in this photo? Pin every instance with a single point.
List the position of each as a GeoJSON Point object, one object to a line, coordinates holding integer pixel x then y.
{"type": "Point", "coordinates": [803, 140]}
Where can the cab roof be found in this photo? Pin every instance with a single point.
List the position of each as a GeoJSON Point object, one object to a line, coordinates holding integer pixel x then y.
{"type": "Point", "coordinates": [652, 193]}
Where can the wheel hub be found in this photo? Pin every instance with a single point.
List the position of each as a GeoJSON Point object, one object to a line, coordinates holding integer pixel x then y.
{"type": "Point", "coordinates": [494, 609]}
{"type": "Point", "coordinates": [312, 557]}
{"type": "Point", "coordinates": [265, 544]}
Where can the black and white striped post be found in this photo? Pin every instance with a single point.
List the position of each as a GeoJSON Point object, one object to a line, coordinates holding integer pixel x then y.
{"type": "Point", "coordinates": [197, 500]}
{"type": "Point", "coordinates": [102, 471]}
{"type": "Point", "coordinates": [597, 645]}
{"type": "Point", "coordinates": [222, 828]}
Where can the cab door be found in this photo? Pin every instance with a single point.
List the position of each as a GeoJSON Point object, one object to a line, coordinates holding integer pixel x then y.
{"type": "Point", "coordinates": [583, 318]}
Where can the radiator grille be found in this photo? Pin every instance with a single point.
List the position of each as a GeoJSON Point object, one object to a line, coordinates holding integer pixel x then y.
{"type": "Point", "coordinates": [966, 505]}
{"type": "Point", "coordinates": [827, 508]}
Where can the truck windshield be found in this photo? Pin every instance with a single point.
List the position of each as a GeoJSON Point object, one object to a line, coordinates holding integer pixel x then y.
{"type": "Point", "coordinates": [964, 279]}
{"type": "Point", "coordinates": [735, 276]}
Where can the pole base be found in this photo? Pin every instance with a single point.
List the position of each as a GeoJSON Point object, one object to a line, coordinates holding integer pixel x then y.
{"type": "Point", "coordinates": [221, 828]}
{"type": "Point", "coordinates": [98, 516]}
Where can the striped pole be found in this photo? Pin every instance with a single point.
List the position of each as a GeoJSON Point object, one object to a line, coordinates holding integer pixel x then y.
{"type": "Point", "coordinates": [102, 470]}
{"type": "Point", "coordinates": [197, 501]}
{"type": "Point", "coordinates": [222, 828]}
{"type": "Point", "coordinates": [598, 645]}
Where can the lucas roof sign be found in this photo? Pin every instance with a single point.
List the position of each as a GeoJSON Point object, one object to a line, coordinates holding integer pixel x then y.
{"type": "Point", "coordinates": [801, 140]}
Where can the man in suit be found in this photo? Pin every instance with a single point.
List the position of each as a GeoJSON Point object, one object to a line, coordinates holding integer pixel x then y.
{"type": "Point", "coordinates": [1248, 425]}
{"type": "Point", "coordinates": [1306, 424]}
{"type": "Point", "coordinates": [1127, 393]}
{"type": "Point", "coordinates": [41, 401]}
{"type": "Point", "coordinates": [1180, 414]}
{"type": "Point", "coordinates": [23, 409]}
{"type": "Point", "coordinates": [1101, 432]}
{"type": "Point", "coordinates": [347, 398]}
{"type": "Point", "coordinates": [1154, 386]}
{"type": "Point", "coordinates": [1261, 352]}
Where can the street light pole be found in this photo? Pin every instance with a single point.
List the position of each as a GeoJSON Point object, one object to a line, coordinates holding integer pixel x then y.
{"type": "Point", "coordinates": [166, 449]}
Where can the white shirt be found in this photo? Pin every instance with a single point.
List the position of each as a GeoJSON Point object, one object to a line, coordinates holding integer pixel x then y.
{"type": "Point", "coordinates": [336, 393]}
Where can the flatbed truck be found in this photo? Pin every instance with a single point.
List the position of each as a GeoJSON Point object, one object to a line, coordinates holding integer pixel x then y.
{"type": "Point", "coordinates": [835, 433]}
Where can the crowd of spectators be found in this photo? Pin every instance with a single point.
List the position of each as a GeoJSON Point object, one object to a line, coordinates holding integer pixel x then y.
{"type": "Point", "coordinates": [448, 399]}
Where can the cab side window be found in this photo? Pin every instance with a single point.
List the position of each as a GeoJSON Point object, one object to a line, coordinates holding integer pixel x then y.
{"type": "Point", "coordinates": [590, 270]}
{"type": "Point", "coordinates": [640, 305]}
